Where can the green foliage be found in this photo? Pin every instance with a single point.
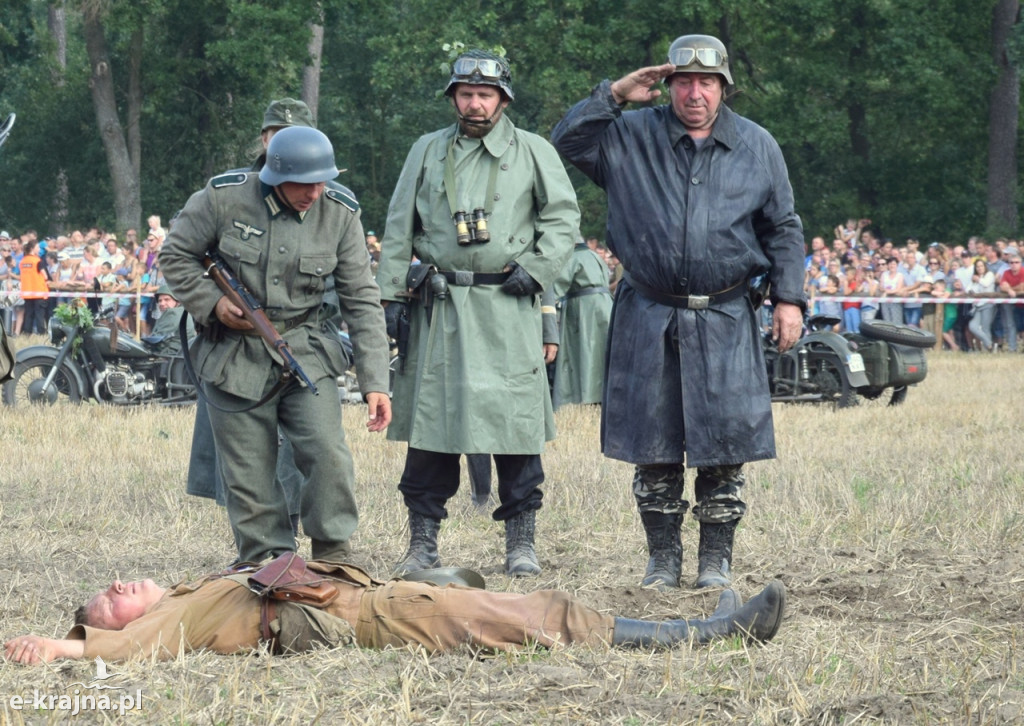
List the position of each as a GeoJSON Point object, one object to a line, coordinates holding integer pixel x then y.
{"type": "Point", "coordinates": [880, 107]}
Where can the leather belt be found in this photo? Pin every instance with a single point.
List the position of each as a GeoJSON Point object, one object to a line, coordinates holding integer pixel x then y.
{"type": "Point", "coordinates": [688, 302]}
{"type": "Point", "coordinates": [594, 290]}
{"type": "Point", "coordinates": [466, 278]}
{"type": "Point", "coordinates": [283, 326]}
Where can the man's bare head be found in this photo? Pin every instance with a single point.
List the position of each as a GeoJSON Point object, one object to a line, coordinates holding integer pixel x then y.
{"type": "Point", "coordinates": [119, 604]}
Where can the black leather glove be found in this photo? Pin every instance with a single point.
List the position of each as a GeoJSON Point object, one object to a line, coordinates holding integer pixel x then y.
{"type": "Point", "coordinates": [519, 282]}
{"type": "Point", "coordinates": [392, 313]}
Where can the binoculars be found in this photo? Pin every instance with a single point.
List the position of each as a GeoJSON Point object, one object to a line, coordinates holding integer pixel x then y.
{"type": "Point", "coordinates": [470, 228]}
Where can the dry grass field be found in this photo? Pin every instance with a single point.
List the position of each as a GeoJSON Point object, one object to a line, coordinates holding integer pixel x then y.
{"type": "Point", "coordinates": [898, 532]}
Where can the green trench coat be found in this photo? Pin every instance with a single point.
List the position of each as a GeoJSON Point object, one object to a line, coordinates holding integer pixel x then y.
{"type": "Point", "coordinates": [474, 380]}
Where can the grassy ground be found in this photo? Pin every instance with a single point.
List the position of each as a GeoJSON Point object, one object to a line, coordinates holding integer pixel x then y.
{"type": "Point", "coordinates": [898, 533]}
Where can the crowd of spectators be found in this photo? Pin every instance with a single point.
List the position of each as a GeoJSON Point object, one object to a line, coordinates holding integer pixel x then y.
{"type": "Point", "coordinates": [122, 276]}
{"type": "Point", "coordinates": [857, 264]}
{"type": "Point", "coordinates": [853, 278]}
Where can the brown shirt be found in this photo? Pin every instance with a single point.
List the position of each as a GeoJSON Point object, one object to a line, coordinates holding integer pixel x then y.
{"type": "Point", "coordinates": [216, 614]}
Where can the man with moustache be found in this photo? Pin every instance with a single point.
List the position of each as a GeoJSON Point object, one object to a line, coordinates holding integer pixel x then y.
{"type": "Point", "coordinates": [473, 378]}
{"type": "Point", "coordinates": [699, 205]}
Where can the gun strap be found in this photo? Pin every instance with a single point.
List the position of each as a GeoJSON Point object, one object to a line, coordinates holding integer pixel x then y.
{"type": "Point", "coordinates": [194, 379]}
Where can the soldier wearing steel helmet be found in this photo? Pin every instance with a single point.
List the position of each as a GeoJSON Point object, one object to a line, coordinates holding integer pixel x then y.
{"type": "Point", "coordinates": [474, 378]}
{"type": "Point", "coordinates": [204, 478]}
{"type": "Point", "coordinates": [699, 205]}
{"type": "Point", "coordinates": [284, 234]}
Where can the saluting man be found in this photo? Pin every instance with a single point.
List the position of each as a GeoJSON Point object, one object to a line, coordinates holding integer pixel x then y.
{"type": "Point", "coordinates": [283, 234]}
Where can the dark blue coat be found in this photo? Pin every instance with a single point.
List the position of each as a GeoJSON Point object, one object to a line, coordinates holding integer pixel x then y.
{"type": "Point", "coordinates": [683, 381]}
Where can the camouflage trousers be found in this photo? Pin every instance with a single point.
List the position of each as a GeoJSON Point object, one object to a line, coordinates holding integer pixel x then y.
{"type": "Point", "coordinates": [717, 490]}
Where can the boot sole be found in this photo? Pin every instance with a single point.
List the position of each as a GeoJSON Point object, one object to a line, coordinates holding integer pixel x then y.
{"type": "Point", "coordinates": [774, 590]}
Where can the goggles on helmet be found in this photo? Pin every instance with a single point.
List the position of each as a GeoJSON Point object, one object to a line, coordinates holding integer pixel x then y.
{"type": "Point", "coordinates": [486, 67]}
{"type": "Point", "coordinates": [707, 57]}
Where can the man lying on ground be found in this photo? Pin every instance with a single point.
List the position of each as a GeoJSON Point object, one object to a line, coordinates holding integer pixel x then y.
{"type": "Point", "coordinates": [222, 614]}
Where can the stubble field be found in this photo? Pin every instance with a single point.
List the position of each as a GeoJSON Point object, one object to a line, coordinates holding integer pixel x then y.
{"type": "Point", "coordinates": [898, 532]}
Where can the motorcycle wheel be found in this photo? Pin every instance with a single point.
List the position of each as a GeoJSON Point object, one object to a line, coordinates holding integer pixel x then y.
{"type": "Point", "coordinates": [180, 387]}
{"type": "Point", "coordinates": [896, 333]}
{"type": "Point", "coordinates": [830, 379]}
{"type": "Point", "coordinates": [876, 395]}
{"type": "Point", "coordinates": [26, 386]}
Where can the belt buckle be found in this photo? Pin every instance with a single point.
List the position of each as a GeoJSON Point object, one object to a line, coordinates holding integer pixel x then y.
{"type": "Point", "coordinates": [698, 302]}
{"type": "Point", "coordinates": [464, 278]}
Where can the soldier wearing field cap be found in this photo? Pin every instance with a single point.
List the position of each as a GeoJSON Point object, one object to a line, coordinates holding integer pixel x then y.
{"type": "Point", "coordinates": [165, 338]}
{"type": "Point", "coordinates": [699, 206]}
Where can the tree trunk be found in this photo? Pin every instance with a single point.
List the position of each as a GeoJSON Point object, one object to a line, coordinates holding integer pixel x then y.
{"type": "Point", "coordinates": [125, 182]}
{"type": "Point", "coordinates": [1003, 114]}
{"type": "Point", "coordinates": [135, 101]}
{"type": "Point", "coordinates": [311, 73]}
{"type": "Point", "coordinates": [56, 21]}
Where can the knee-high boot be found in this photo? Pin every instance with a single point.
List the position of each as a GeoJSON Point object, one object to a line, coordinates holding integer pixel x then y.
{"type": "Point", "coordinates": [758, 621]}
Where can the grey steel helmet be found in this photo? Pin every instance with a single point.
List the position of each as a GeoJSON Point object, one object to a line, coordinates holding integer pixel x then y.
{"type": "Point", "coordinates": [700, 54]}
{"type": "Point", "coordinates": [483, 68]}
{"type": "Point", "coordinates": [299, 154]}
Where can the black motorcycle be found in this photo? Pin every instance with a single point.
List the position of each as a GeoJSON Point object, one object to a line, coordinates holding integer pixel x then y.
{"type": "Point", "coordinates": [88, 361]}
{"type": "Point", "coordinates": [846, 368]}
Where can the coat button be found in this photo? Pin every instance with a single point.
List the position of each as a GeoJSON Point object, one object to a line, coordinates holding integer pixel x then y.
{"type": "Point", "coordinates": [281, 249]}
{"type": "Point", "coordinates": [277, 280]}
{"type": "Point", "coordinates": [319, 270]}
{"type": "Point", "coordinates": [504, 167]}
{"type": "Point", "coordinates": [695, 181]}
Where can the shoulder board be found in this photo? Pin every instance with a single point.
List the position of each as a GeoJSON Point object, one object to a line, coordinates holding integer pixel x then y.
{"type": "Point", "coordinates": [342, 195]}
{"type": "Point", "coordinates": [230, 179]}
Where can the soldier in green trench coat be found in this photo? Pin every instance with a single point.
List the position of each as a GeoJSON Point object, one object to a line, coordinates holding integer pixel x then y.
{"type": "Point", "coordinates": [474, 379]}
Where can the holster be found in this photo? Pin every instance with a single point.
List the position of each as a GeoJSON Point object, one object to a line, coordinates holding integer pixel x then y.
{"type": "Point", "coordinates": [288, 579]}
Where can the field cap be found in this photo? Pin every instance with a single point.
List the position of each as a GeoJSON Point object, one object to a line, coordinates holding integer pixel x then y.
{"type": "Point", "coordinates": [286, 112]}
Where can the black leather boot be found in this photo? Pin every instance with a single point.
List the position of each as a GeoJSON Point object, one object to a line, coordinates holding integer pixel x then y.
{"type": "Point", "coordinates": [422, 552]}
{"type": "Point", "coordinates": [520, 557]}
{"type": "Point", "coordinates": [665, 547]}
{"type": "Point", "coordinates": [714, 554]}
{"type": "Point", "coordinates": [758, 621]}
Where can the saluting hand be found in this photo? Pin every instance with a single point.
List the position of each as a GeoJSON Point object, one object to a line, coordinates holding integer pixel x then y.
{"type": "Point", "coordinates": [636, 87]}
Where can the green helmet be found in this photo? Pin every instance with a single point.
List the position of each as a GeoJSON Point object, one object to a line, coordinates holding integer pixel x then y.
{"type": "Point", "coordinates": [286, 112]}
{"type": "Point", "coordinates": [299, 154]}
{"type": "Point", "coordinates": [700, 54]}
{"type": "Point", "coordinates": [482, 68]}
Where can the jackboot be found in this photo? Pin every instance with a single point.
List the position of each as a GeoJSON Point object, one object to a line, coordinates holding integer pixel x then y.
{"type": "Point", "coordinates": [422, 552]}
{"type": "Point", "coordinates": [714, 554]}
{"type": "Point", "coordinates": [758, 621]}
{"type": "Point", "coordinates": [665, 547]}
{"type": "Point", "coordinates": [520, 557]}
